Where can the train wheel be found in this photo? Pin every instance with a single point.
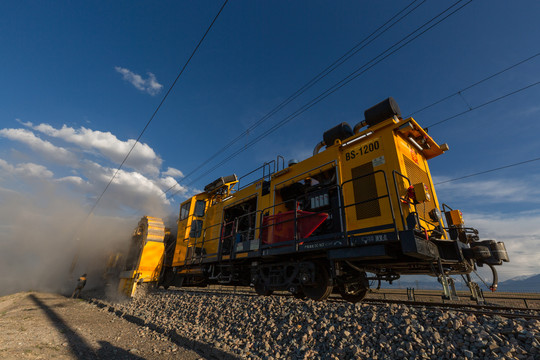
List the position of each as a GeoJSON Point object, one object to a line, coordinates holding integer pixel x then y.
{"type": "Point", "coordinates": [166, 278]}
{"type": "Point", "coordinates": [352, 296]}
{"type": "Point", "coordinates": [262, 290]}
{"type": "Point", "coordinates": [322, 288]}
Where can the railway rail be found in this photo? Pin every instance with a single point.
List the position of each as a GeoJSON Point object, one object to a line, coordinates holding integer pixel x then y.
{"type": "Point", "coordinates": [488, 309]}
{"type": "Point", "coordinates": [508, 299]}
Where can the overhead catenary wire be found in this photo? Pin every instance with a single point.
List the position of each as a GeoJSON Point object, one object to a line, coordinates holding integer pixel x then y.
{"type": "Point", "coordinates": [459, 92]}
{"type": "Point", "coordinates": [428, 25]}
{"type": "Point", "coordinates": [488, 171]}
{"type": "Point", "coordinates": [329, 69]}
{"type": "Point", "coordinates": [485, 104]}
{"type": "Point", "coordinates": [471, 108]}
{"type": "Point", "coordinates": [94, 206]}
{"type": "Point", "coordinates": [157, 108]}
{"type": "Point", "coordinates": [482, 105]}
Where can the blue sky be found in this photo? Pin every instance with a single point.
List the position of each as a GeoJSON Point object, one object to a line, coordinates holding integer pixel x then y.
{"type": "Point", "coordinates": [80, 81]}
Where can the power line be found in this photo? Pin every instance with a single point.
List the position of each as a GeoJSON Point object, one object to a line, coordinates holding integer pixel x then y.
{"type": "Point", "coordinates": [75, 259]}
{"type": "Point", "coordinates": [482, 105]}
{"type": "Point", "coordinates": [361, 70]}
{"type": "Point", "coordinates": [447, 97]}
{"type": "Point", "coordinates": [330, 68]}
{"type": "Point", "coordinates": [157, 109]}
{"type": "Point", "coordinates": [341, 83]}
{"type": "Point", "coordinates": [473, 85]}
{"type": "Point", "coordinates": [488, 171]}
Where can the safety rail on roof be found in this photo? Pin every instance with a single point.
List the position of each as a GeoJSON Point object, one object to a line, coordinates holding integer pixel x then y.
{"type": "Point", "coordinates": [268, 169]}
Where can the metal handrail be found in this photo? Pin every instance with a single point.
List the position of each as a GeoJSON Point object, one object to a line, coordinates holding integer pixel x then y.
{"type": "Point", "coordinates": [293, 204]}
{"type": "Point", "coordinates": [204, 241]}
{"type": "Point", "coordinates": [279, 157]}
{"type": "Point", "coordinates": [263, 167]}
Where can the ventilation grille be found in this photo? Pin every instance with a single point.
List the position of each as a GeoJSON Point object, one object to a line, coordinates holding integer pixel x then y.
{"type": "Point", "coordinates": [365, 188]}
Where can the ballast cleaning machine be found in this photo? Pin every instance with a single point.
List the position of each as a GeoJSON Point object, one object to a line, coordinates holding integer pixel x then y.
{"type": "Point", "coordinates": [362, 208]}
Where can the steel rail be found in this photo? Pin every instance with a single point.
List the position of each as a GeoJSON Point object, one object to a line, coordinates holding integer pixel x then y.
{"type": "Point", "coordinates": [486, 309]}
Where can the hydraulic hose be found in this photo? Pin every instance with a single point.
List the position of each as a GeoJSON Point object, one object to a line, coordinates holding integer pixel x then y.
{"type": "Point", "coordinates": [495, 283]}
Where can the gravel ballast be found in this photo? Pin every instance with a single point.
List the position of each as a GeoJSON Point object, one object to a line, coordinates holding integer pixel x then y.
{"type": "Point", "coordinates": [279, 327]}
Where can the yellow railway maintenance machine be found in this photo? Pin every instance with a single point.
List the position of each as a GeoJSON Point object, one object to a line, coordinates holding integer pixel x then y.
{"type": "Point", "coordinates": [362, 208]}
{"type": "Point", "coordinates": [145, 258]}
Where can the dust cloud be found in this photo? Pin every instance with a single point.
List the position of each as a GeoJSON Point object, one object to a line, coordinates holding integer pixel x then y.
{"type": "Point", "coordinates": [42, 231]}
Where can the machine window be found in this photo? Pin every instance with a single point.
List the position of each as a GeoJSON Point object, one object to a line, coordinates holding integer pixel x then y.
{"type": "Point", "coordinates": [199, 208]}
{"type": "Point", "coordinates": [184, 210]}
{"type": "Point", "coordinates": [196, 228]}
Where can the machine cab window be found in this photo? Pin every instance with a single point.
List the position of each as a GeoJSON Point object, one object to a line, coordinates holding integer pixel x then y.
{"type": "Point", "coordinates": [184, 210]}
{"type": "Point", "coordinates": [199, 208]}
{"type": "Point", "coordinates": [196, 229]}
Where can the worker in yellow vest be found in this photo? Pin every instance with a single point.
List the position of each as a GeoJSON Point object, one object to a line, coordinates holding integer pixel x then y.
{"type": "Point", "coordinates": [80, 285]}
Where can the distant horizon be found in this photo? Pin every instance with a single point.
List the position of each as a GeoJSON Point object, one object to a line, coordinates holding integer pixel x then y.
{"type": "Point", "coordinates": [431, 283]}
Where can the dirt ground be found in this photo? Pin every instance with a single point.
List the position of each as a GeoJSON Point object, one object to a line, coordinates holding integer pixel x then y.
{"type": "Point", "coordinates": [50, 326]}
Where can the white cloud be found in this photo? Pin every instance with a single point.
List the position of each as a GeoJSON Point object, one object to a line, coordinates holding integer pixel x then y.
{"type": "Point", "coordinates": [76, 181]}
{"type": "Point", "coordinates": [33, 170]}
{"type": "Point", "coordinates": [137, 182]}
{"type": "Point", "coordinates": [6, 166]}
{"type": "Point", "coordinates": [142, 189]}
{"type": "Point", "coordinates": [148, 85]}
{"type": "Point", "coordinates": [25, 123]}
{"type": "Point", "coordinates": [42, 147]}
{"type": "Point", "coordinates": [520, 233]}
{"type": "Point", "coordinates": [29, 170]}
{"type": "Point", "coordinates": [170, 185]}
{"type": "Point", "coordinates": [142, 158]}
{"type": "Point", "coordinates": [129, 188]}
{"type": "Point", "coordinates": [84, 170]}
{"type": "Point", "coordinates": [519, 230]}
{"type": "Point", "coordinates": [175, 173]}
{"type": "Point", "coordinates": [493, 191]}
